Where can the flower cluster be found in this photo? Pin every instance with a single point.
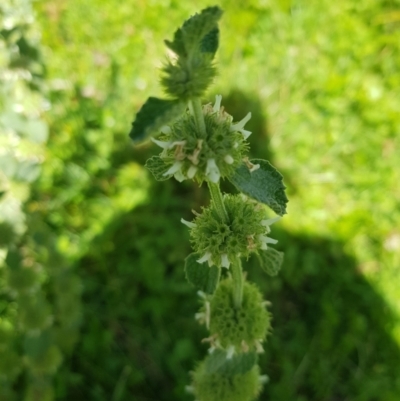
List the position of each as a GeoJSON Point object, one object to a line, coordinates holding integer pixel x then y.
{"type": "Point", "coordinates": [190, 154]}
{"type": "Point", "coordinates": [246, 231]}
{"type": "Point", "coordinates": [236, 330]}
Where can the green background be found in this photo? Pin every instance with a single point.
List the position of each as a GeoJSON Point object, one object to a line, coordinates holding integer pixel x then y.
{"type": "Point", "coordinates": [322, 80]}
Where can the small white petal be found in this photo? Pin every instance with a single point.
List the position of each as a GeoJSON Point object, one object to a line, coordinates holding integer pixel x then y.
{"type": "Point", "coordinates": [188, 223]}
{"type": "Point", "coordinates": [254, 168]}
{"type": "Point", "coordinates": [162, 144]}
{"type": "Point", "coordinates": [259, 347]}
{"type": "Point", "coordinates": [212, 171]}
{"type": "Point", "coordinates": [240, 125]}
{"type": "Point", "coordinates": [200, 316]}
{"type": "Point", "coordinates": [228, 159]}
{"type": "Point", "coordinates": [230, 351]}
{"type": "Point", "coordinates": [269, 222]}
{"type": "Point", "coordinates": [179, 176]}
{"type": "Point", "coordinates": [267, 240]}
{"type": "Point", "coordinates": [191, 171]}
{"type": "Point", "coordinates": [245, 133]}
{"type": "Point", "coordinates": [206, 257]}
{"type": "Point", "coordinates": [178, 143]}
{"type": "Point", "coordinates": [174, 168]}
{"type": "Point", "coordinates": [225, 261]}
{"type": "Point", "coordinates": [165, 129]}
{"type": "Point", "coordinates": [217, 104]}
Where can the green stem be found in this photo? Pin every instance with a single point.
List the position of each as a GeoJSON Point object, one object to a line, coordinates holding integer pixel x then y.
{"type": "Point", "coordinates": [197, 110]}
{"type": "Point", "coordinates": [218, 201]}
{"type": "Point", "coordinates": [237, 276]}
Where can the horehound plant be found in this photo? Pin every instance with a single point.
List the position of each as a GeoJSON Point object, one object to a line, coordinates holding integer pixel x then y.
{"type": "Point", "coordinates": [204, 144]}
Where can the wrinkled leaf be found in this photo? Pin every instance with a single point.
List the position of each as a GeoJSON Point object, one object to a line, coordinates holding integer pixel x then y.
{"type": "Point", "coordinates": [210, 42]}
{"type": "Point", "coordinates": [157, 167]}
{"type": "Point", "coordinates": [153, 115]}
{"type": "Point", "coordinates": [200, 275]}
{"type": "Point", "coordinates": [270, 261]}
{"type": "Point", "coordinates": [264, 185]}
{"type": "Point", "coordinates": [238, 364]}
{"type": "Point", "coordinates": [194, 30]}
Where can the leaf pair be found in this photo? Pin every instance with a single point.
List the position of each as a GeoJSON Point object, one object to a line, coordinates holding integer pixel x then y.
{"type": "Point", "coordinates": [238, 364]}
{"type": "Point", "coordinates": [206, 278]}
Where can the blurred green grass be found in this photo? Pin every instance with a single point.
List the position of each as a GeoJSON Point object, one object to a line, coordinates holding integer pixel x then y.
{"type": "Point", "coordinates": [321, 79]}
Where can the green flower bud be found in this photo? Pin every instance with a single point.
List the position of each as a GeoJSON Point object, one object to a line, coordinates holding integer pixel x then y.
{"type": "Point", "coordinates": [244, 232]}
{"type": "Point", "coordinates": [188, 154]}
{"type": "Point", "coordinates": [238, 330]}
{"type": "Point", "coordinates": [217, 386]}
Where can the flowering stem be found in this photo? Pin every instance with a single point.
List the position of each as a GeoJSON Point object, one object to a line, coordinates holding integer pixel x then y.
{"type": "Point", "coordinates": [237, 276]}
{"type": "Point", "coordinates": [197, 110]}
{"type": "Point", "coordinates": [218, 201]}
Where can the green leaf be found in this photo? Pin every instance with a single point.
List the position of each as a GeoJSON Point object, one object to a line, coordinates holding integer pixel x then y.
{"type": "Point", "coordinates": [190, 36]}
{"type": "Point", "coordinates": [264, 184]}
{"type": "Point", "coordinates": [157, 167]}
{"type": "Point", "coordinates": [238, 364]}
{"type": "Point", "coordinates": [270, 261]}
{"type": "Point", "coordinates": [210, 42]}
{"type": "Point", "coordinates": [153, 115]}
{"type": "Point", "coordinates": [201, 276]}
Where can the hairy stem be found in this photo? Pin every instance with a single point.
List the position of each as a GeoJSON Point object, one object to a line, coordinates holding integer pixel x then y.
{"type": "Point", "coordinates": [218, 201]}
{"type": "Point", "coordinates": [237, 276]}
{"type": "Point", "coordinates": [197, 110]}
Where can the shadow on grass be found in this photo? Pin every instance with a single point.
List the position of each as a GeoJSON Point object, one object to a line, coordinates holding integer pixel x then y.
{"type": "Point", "coordinates": [139, 338]}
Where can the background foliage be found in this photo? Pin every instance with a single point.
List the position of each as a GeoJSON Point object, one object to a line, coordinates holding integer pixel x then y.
{"type": "Point", "coordinates": [93, 300]}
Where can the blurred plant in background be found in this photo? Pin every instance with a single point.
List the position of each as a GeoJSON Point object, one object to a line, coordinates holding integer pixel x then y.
{"type": "Point", "coordinates": [39, 295]}
{"type": "Point", "coordinates": [324, 78]}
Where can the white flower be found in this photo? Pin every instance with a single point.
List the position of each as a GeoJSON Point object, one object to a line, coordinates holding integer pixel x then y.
{"type": "Point", "coordinates": [179, 176]}
{"type": "Point", "coordinates": [254, 168]}
{"type": "Point", "coordinates": [174, 168]}
{"type": "Point", "coordinates": [229, 352]}
{"type": "Point", "coordinates": [191, 171]}
{"type": "Point", "coordinates": [266, 240]}
{"type": "Point", "coordinates": [268, 222]}
{"type": "Point", "coordinates": [228, 159]}
{"type": "Point", "coordinates": [167, 144]}
{"type": "Point", "coordinates": [225, 261]}
{"type": "Point", "coordinates": [259, 347]}
{"type": "Point", "coordinates": [217, 104]}
{"type": "Point", "coordinates": [165, 129]}
{"type": "Point", "coordinates": [188, 223]}
{"type": "Point", "coordinates": [162, 144]}
{"type": "Point", "coordinates": [205, 258]}
{"type": "Point", "coordinates": [240, 126]}
{"type": "Point", "coordinates": [212, 171]}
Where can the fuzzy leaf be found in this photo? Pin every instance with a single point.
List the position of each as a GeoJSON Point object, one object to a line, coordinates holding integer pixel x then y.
{"type": "Point", "coordinates": [157, 167]}
{"type": "Point", "coordinates": [201, 276]}
{"type": "Point", "coordinates": [153, 115]}
{"type": "Point", "coordinates": [210, 42]}
{"type": "Point", "coordinates": [238, 364]}
{"type": "Point", "coordinates": [264, 184]}
{"type": "Point", "coordinates": [190, 36]}
{"type": "Point", "coordinates": [270, 261]}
